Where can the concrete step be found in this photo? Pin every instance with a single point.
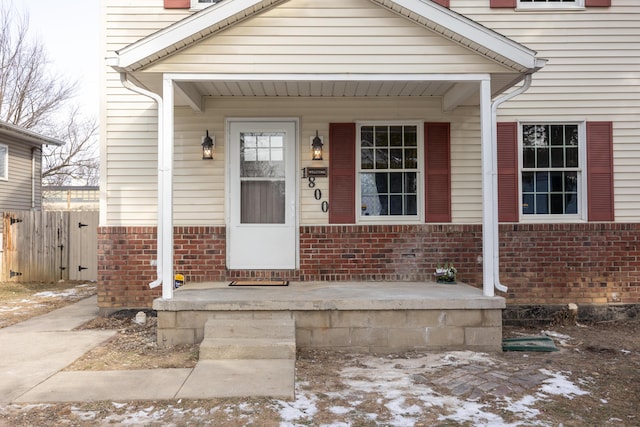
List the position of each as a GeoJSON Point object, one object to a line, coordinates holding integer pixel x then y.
{"type": "Point", "coordinates": [249, 339]}
{"type": "Point", "coordinates": [250, 328]}
{"type": "Point", "coordinates": [247, 348]}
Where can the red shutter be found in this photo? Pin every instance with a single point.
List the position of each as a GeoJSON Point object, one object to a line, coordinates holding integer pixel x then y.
{"type": "Point", "coordinates": [600, 171]}
{"type": "Point", "coordinates": [597, 3]}
{"type": "Point", "coordinates": [508, 192]}
{"type": "Point", "coordinates": [444, 3]}
{"type": "Point", "coordinates": [342, 173]}
{"type": "Point", "coordinates": [503, 3]}
{"type": "Point", "coordinates": [437, 164]}
{"type": "Point", "coordinates": [177, 4]}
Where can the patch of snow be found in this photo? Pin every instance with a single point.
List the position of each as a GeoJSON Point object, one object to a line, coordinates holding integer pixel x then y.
{"type": "Point", "coordinates": [84, 415]}
{"type": "Point", "coordinates": [302, 409]}
{"type": "Point", "coordinates": [51, 294]}
{"type": "Point", "coordinates": [558, 335]}
{"type": "Point", "coordinates": [559, 385]}
{"type": "Point", "coordinates": [339, 410]}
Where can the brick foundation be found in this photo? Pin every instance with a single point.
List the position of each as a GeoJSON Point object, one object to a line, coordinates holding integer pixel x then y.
{"type": "Point", "coordinates": [591, 263]}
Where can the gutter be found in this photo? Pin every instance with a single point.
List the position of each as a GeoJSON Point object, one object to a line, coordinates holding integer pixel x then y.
{"type": "Point", "coordinates": [160, 249]}
{"type": "Point", "coordinates": [494, 181]}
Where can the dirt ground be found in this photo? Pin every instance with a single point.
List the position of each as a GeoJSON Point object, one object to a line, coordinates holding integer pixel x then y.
{"type": "Point", "coordinates": [593, 380]}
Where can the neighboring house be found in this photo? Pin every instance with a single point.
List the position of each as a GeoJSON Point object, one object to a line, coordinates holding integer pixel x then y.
{"type": "Point", "coordinates": [406, 97]}
{"type": "Point", "coordinates": [20, 172]}
{"type": "Point", "coordinates": [21, 168]}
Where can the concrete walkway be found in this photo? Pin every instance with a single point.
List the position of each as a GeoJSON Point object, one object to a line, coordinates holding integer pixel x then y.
{"type": "Point", "coordinates": [34, 353]}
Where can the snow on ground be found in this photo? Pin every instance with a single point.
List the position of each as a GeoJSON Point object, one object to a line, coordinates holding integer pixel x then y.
{"type": "Point", "coordinates": [381, 390]}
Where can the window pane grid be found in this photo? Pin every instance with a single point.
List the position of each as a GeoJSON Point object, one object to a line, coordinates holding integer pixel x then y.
{"type": "Point", "coordinates": [388, 164]}
{"type": "Point", "coordinates": [551, 169]}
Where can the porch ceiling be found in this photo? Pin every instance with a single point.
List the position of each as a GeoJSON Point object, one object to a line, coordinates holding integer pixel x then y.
{"type": "Point", "coordinates": [454, 93]}
{"type": "Point", "coordinates": [322, 88]}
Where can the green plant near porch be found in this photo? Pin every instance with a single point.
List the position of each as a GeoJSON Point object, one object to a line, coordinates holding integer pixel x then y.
{"type": "Point", "coordinates": [445, 273]}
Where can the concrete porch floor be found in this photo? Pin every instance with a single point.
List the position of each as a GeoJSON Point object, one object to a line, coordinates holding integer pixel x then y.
{"type": "Point", "coordinates": [355, 316]}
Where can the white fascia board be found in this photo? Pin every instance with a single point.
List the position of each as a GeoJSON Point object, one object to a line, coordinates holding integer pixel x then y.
{"type": "Point", "coordinates": [27, 136]}
{"type": "Point", "coordinates": [188, 29]}
{"type": "Point", "coordinates": [467, 29]}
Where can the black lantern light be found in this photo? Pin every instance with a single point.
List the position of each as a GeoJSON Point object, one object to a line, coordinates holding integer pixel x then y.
{"type": "Point", "coordinates": [207, 147]}
{"type": "Point", "coordinates": [316, 148]}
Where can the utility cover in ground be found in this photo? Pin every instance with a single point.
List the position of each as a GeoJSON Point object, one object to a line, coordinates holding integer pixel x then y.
{"type": "Point", "coordinates": [528, 344]}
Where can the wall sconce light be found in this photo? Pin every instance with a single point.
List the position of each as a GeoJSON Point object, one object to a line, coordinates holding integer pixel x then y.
{"type": "Point", "coordinates": [316, 147]}
{"type": "Point", "coordinates": [208, 145]}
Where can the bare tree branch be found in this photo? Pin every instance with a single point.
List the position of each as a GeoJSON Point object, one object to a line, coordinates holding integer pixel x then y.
{"type": "Point", "coordinates": [33, 98]}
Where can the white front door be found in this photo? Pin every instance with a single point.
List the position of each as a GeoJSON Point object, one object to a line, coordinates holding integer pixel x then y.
{"type": "Point", "coordinates": [262, 231]}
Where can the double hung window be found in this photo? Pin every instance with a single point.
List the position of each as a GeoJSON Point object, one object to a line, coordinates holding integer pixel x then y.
{"type": "Point", "coordinates": [552, 164]}
{"type": "Point", "coordinates": [388, 173]}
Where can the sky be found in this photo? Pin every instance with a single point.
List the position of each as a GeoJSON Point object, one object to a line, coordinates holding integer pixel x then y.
{"type": "Point", "coordinates": [70, 31]}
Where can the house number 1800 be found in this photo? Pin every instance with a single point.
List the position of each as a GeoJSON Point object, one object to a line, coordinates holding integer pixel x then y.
{"type": "Point", "coordinates": [317, 194]}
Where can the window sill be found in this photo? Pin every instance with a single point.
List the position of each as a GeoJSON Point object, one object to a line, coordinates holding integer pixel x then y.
{"type": "Point", "coordinates": [551, 220]}
{"type": "Point", "coordinates": [550, 9]}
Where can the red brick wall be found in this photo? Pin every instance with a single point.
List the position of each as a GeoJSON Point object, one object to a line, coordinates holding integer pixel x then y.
{"type": "Point", "coordinates": [541, 264]}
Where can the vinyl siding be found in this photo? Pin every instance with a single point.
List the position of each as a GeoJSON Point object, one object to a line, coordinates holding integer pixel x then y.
{"type": "Point", "coordinates": [15, 193]}
{"type": "Point", "coordinates": [199, 186]}
{"type": "Point", "coordinates": [333, 36]}
{"type": "Point", "coordinates": [592, 74]}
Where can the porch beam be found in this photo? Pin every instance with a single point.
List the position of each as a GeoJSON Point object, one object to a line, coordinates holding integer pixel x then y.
{"type": "Point", "coordinates": [166, 169]}
{"type": "Point", "coordinates": [326, 77]}
{"type": "Point", "coordinates": [190, 94]}
{"type": "Point", "coordinates": [457, 95]}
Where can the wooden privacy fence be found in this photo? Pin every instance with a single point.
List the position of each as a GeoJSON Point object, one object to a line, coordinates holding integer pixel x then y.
{"type": "Point", "coordinates": [41, 246]}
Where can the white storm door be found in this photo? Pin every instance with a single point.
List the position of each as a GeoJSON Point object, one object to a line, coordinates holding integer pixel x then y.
{"type": "Point", "coordinates": [262, 231]}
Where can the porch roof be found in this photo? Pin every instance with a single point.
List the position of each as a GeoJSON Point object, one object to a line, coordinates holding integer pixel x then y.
{"type": "Point", "coordinates": [515, 59]}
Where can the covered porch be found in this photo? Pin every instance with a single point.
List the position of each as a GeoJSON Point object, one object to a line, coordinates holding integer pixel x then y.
{"type": "Point", "coordinates": [357, 282]}
{"type": "Point", "coordinates": [378, 317]}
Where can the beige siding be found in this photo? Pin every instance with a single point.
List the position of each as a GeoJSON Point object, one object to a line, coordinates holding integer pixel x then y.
{"type": "Point", "coordinates": [332, 36]}
{"type": "Point", "coordinates": [593, 73]}
{"type": "Point", "coordinates": [199, 187]}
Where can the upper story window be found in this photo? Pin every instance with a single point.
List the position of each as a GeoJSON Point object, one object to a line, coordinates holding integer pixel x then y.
{"type": "Point", "coordinates": [389, 165]}
{"type": "Point", "coordinates": [4, 162]}
{"type": "Point", "coordinates": [552, 164]}
{"type": "Point", "coordinates": [201, 4]}
{"type": "Point", "coordinates": [550, 4]}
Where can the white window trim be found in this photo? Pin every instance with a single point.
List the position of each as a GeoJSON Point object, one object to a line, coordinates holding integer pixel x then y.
{"type": "Point", "coordinates": [392, 219]}
{"type": "Point", "coordinates": [583, 205]}
{"type": "Point", "coordinates": [197, 5]}
{"type": "Point", "coordinates": [577, 5]}
{"type": "Point", "coordinates": [5, 176]}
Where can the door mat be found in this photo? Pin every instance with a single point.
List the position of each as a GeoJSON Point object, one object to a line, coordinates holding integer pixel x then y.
{"type": "Point", "coordinates": [528, 344]}
{"type": "Point", "coordinates": [259, 283]}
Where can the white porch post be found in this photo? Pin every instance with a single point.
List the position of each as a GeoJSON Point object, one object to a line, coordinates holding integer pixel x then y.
{"type": "Point", "coordinates": [166, 220]}
{"type": "Point", "coordinates": [489, 214]}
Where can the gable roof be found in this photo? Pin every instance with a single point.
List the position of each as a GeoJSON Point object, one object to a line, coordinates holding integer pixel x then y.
{"type": "Point", "coordinates": [19, 134]}
{"type": "Point", "coordinates": [440, 20]}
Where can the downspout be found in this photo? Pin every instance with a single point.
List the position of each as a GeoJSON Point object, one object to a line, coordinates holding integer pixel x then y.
{"type": "Point", "coordinates": [33, 177]}
{"type": "Point", "coordinates": [494, 159]}
{"type": "Point", "coordinates": [158, 99]}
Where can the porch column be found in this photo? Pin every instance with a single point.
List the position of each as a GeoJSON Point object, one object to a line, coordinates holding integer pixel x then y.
{"type": "Point", "coordinates": [489, 198]}
{"type": "Point", "coordinates": [166, 198]}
